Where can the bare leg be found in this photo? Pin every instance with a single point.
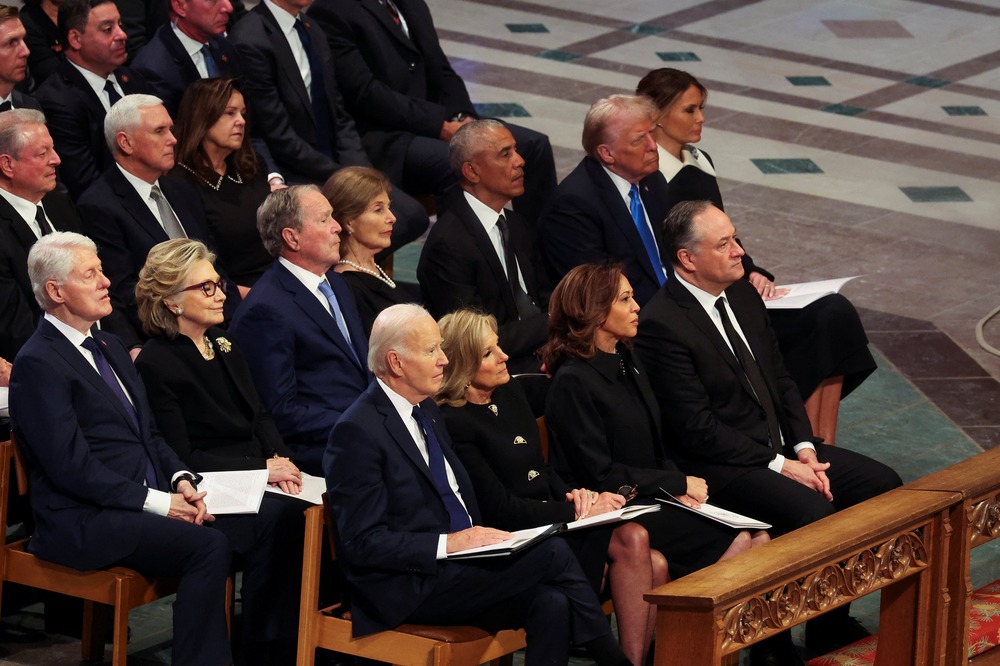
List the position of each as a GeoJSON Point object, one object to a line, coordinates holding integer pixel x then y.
{"type": "Point", "coordinates": [742, 543]}
{"type": "Point", "coordinates": [661, 576]}
{"type": "Point", "coordinates": [630, 572]}
{"type": "Point", "coordinates": [823, 407]}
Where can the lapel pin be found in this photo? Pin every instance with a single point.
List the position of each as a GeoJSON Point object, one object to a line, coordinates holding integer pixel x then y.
{"type": "Point", "coordinates": [532, 475]}
{"type": "Point", "coordinates": [493, 408]}
{"type": "Point", "coordinates": [520, 440]}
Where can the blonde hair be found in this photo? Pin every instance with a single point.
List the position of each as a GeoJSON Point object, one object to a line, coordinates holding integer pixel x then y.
{"type": "Point", "coordinates": [604, 112]}
{"type": "Point", "coordinates": [167, 267]}
{"type": "Point", "coordinates": [464, 333]}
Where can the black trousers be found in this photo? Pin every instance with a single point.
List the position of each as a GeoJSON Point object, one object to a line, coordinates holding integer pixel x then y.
{"type": "Point", "coordinates": [199, 556]}
{"type": "Point", "coordinates": [788, 505]}
{"type": "Point", "coordinates": [542, 590]}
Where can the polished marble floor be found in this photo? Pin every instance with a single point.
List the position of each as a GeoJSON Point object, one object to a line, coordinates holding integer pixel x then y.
{"type": "Point", "coordinates": [852, 138]}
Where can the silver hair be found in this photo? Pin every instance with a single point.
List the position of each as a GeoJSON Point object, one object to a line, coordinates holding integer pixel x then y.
{"type": "Point", "coordinates": [389, 332]}
{"type": "Point", "coordinates": [679, 230]}
{"type": "Point", "coordinates": [282, 209]}
{"type": "Point", "coordinates": [604, 111]}
{"type": "Point", "coordinates": [468, 141]}
{"type": "Point", "coordinates": [12, 124]}
{"type": "Point", "coordinates": [124, 116]}
{"type": "Point", "coordinates": [51, 258]}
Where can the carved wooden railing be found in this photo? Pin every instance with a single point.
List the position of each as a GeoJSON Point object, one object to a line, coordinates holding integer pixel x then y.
{"type": "Point", "coordinates": [974, 520]}
{"type": "Point", "coordinates": [897, 543]}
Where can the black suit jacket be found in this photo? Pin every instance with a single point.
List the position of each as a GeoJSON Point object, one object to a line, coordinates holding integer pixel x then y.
{"type": "Point", "coordinates": [208, 431]}
{"type": "Point", "coordinates": [120, 222]}
{"type": "Point", "coordinates": [600, 436]}
{"type": "Point", "coordinates": [280, 106]}
{"type": "Point", "coordinates": [388, 512]}
{"type": "Point", "coordinates": [19, 311]}
{"type": "Point", "coordinates": [169, 70]}
{"type": "Point", "coordinates": [43, 39]}
{"type": "Point", "coordinates": [713, 425]}
{"type": "Point", "coordinates": [76, 122]}
{"type": "Point", "coordinates": [588, 220]}
{"type": "Point", "coordinates": [86, 460]}
{"type": "Point", "coordinates": [395, 86]}
{"type": "Point", "coordinates": [24, 100]}
{"type": "Point", "coordinates": [459, 268]}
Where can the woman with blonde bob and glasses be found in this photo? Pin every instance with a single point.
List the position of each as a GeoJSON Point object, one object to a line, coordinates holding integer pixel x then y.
{"type": "Point", "coordinates": [206, 407]}
{"type": "Point", "coordinates": [496, 437]}
{"type": "Point", "coordinates": [604, 423]}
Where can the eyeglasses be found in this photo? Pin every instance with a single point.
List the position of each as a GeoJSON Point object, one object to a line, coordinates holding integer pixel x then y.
{"type": "Point", "coordinates": [208, 287]}
{"type": "Point", "coordinates": [628, 492]}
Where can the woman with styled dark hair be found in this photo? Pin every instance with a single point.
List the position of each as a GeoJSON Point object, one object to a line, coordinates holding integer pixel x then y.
{"type": "Point", "coordinates": [824, 345]}
{"type": "Point", "coordinates": [215, 154]}
{"type": "Point", "coordinates": [495, 435]}
{"type": "Point", "coordinates": [604, 422]}
{"type": "Point", "coordinates": [361, 204]}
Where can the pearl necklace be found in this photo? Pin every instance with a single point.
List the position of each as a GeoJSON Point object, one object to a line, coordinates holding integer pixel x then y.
{"type": "Point", "coordinates": [380, 275]}
{"type": "Point", "coordinates": [218, 183]}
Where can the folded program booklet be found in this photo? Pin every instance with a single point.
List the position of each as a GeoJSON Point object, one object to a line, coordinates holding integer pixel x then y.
{"type": "Point", "coordinates": [719, 515]}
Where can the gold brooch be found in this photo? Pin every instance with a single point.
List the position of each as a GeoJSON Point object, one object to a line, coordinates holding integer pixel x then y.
{"type": "Point", "coordinates": [493, 408]}
{"type": "Point", "coordinates": [520, 440]}
{"type": "Point", "coordinates": [225, 346]}
{"type": "Point", "coordinates": [532, 475]}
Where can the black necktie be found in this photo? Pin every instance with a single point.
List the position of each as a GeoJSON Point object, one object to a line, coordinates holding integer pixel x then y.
{"type": "Point", "coordinates": [113, 95]}
{"type": "Point", "coordinates": [6, 106]}
{"type": "Point", "coordinates": [43, 223]}
{"type": "Point", "coordinates": [525, 306]}
{"type": "Point", "coordinates": [317, 90]}
{"type": "Point", "coordinates": [108, 375]}
{"type": "Point", "coordinates": [753, 374]}
{"type": "Point", "coordinates": [457, 514]}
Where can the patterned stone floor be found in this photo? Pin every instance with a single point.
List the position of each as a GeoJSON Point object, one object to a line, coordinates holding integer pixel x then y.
{"type": "Point", "coordinates": [852, 138]}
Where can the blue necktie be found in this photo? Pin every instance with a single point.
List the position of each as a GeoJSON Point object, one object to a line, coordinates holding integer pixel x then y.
{"type": "Point", "coordinates": [457, 514]}
{"type": "Point", "coordinates": [635, 207]}
{"type": "Point", "coordinates": [210, 66]}
{"type": "Point", "coordinates": [108, 375]}
{"type": "Point", "coordinates": [338, 315]}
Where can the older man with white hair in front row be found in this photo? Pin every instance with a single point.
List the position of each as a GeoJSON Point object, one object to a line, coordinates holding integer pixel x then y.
{"type": "Point", "coordinates": [106, 490]}
{"type": "Point", "coordinates": [129, 209]}
{"type": "Point", "coordinates": [403, 502]}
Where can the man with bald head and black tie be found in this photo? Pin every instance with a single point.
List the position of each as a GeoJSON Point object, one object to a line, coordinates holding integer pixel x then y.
{"type": "Point", "coordinates": [30, 207]}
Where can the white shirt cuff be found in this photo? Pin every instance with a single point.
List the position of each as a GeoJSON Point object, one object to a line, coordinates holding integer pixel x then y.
{"type": "Point", "coordinates": [777, 464]}
{"type": "Point", "coordinates": [442, 552]}
{"type": "Point", "coordinates": [157, 502]}
{"type": "Point", "coordinates": [804, 445]}
{"type": "Point", "coordinates": [274, 174]}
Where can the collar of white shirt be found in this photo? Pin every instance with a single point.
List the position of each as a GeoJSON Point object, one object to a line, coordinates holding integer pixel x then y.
{"type": "Point", "coordinates": [670, 165]}
{"type": "Point", "coordinates": [26, 209]}
{"type": "Point", "coordinates": [98, 82]}
{"type": "Point", "coordinates": [286, 20]}
{"type": "Point", "coordinates": [191, 46]}
{"type": "Point", "coordinates": [142, 187]}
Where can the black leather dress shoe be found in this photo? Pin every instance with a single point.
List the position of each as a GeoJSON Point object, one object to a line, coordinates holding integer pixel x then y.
{"type": "Point", "coordinates": [776, 651]}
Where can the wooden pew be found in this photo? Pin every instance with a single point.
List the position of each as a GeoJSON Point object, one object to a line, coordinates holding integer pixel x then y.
{"type": "Point", "coordinates": [897, 543]}
{"type": "Point", "coordinates": [974, 520]}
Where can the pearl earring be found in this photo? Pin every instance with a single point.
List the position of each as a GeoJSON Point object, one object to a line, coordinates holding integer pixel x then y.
{"type": "Point", "coordinates": [180, 311]}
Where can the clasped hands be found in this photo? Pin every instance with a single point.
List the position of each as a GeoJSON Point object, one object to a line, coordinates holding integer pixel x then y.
{"type": "Point", "coordinates": [809, 471]}
{"type": "Point", "coordinates": [188, 504]}
{"type": "Point", "coordinates": [283, 473]}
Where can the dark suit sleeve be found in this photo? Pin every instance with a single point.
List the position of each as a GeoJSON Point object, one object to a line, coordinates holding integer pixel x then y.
{"type": "Point", "coordinates": [68, 124]}
{"type": "Point", "coordinates": [17, 317]}
{"type": "Point", "coordinates": [268, 339]}
{"type": "Point", "coordinates": [56, 442]}
{"type": "Point", "coordinates": [355, 464]}
{"type": "Point", "coordinates": [269, 115]}
{"type": "Point", "coordinates": [571, 234]}
{"type": "Point", "coordinates": [579, 434]}
{"type": "Point", "coordinates": [369, 97]}
{"type": "Point", "coordinates": [501, 508]}
{"type": "Point", "coordinates": [673, 371]}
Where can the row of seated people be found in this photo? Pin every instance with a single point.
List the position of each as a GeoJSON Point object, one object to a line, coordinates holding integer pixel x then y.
{"type": "Point", "coordinates": [399, 86]}
{"type": "Point", "coordinates": [401, 498]}
{"type": "Point", "coordinates": [351, 84]}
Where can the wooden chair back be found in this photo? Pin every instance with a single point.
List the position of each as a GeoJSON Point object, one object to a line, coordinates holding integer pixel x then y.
{"type": "Point", "coordinates": [331, 628]}
{"type": "Point", "coordinates": [121, 588]}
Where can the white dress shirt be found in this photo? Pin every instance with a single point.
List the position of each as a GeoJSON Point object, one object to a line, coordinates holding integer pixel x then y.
{"type": "Point", "coordinates": [489, 218]}
{"type": "Point", "coordinates": [26, 210]}
{"type": "Point", "coordinates": [144, 190]}
{"type": "Point", "coordinates": [193, 48]}
{"type": "Point", "coordinates": [286, 22]}
{"type": "Point", "coordinates": [97, 83]}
